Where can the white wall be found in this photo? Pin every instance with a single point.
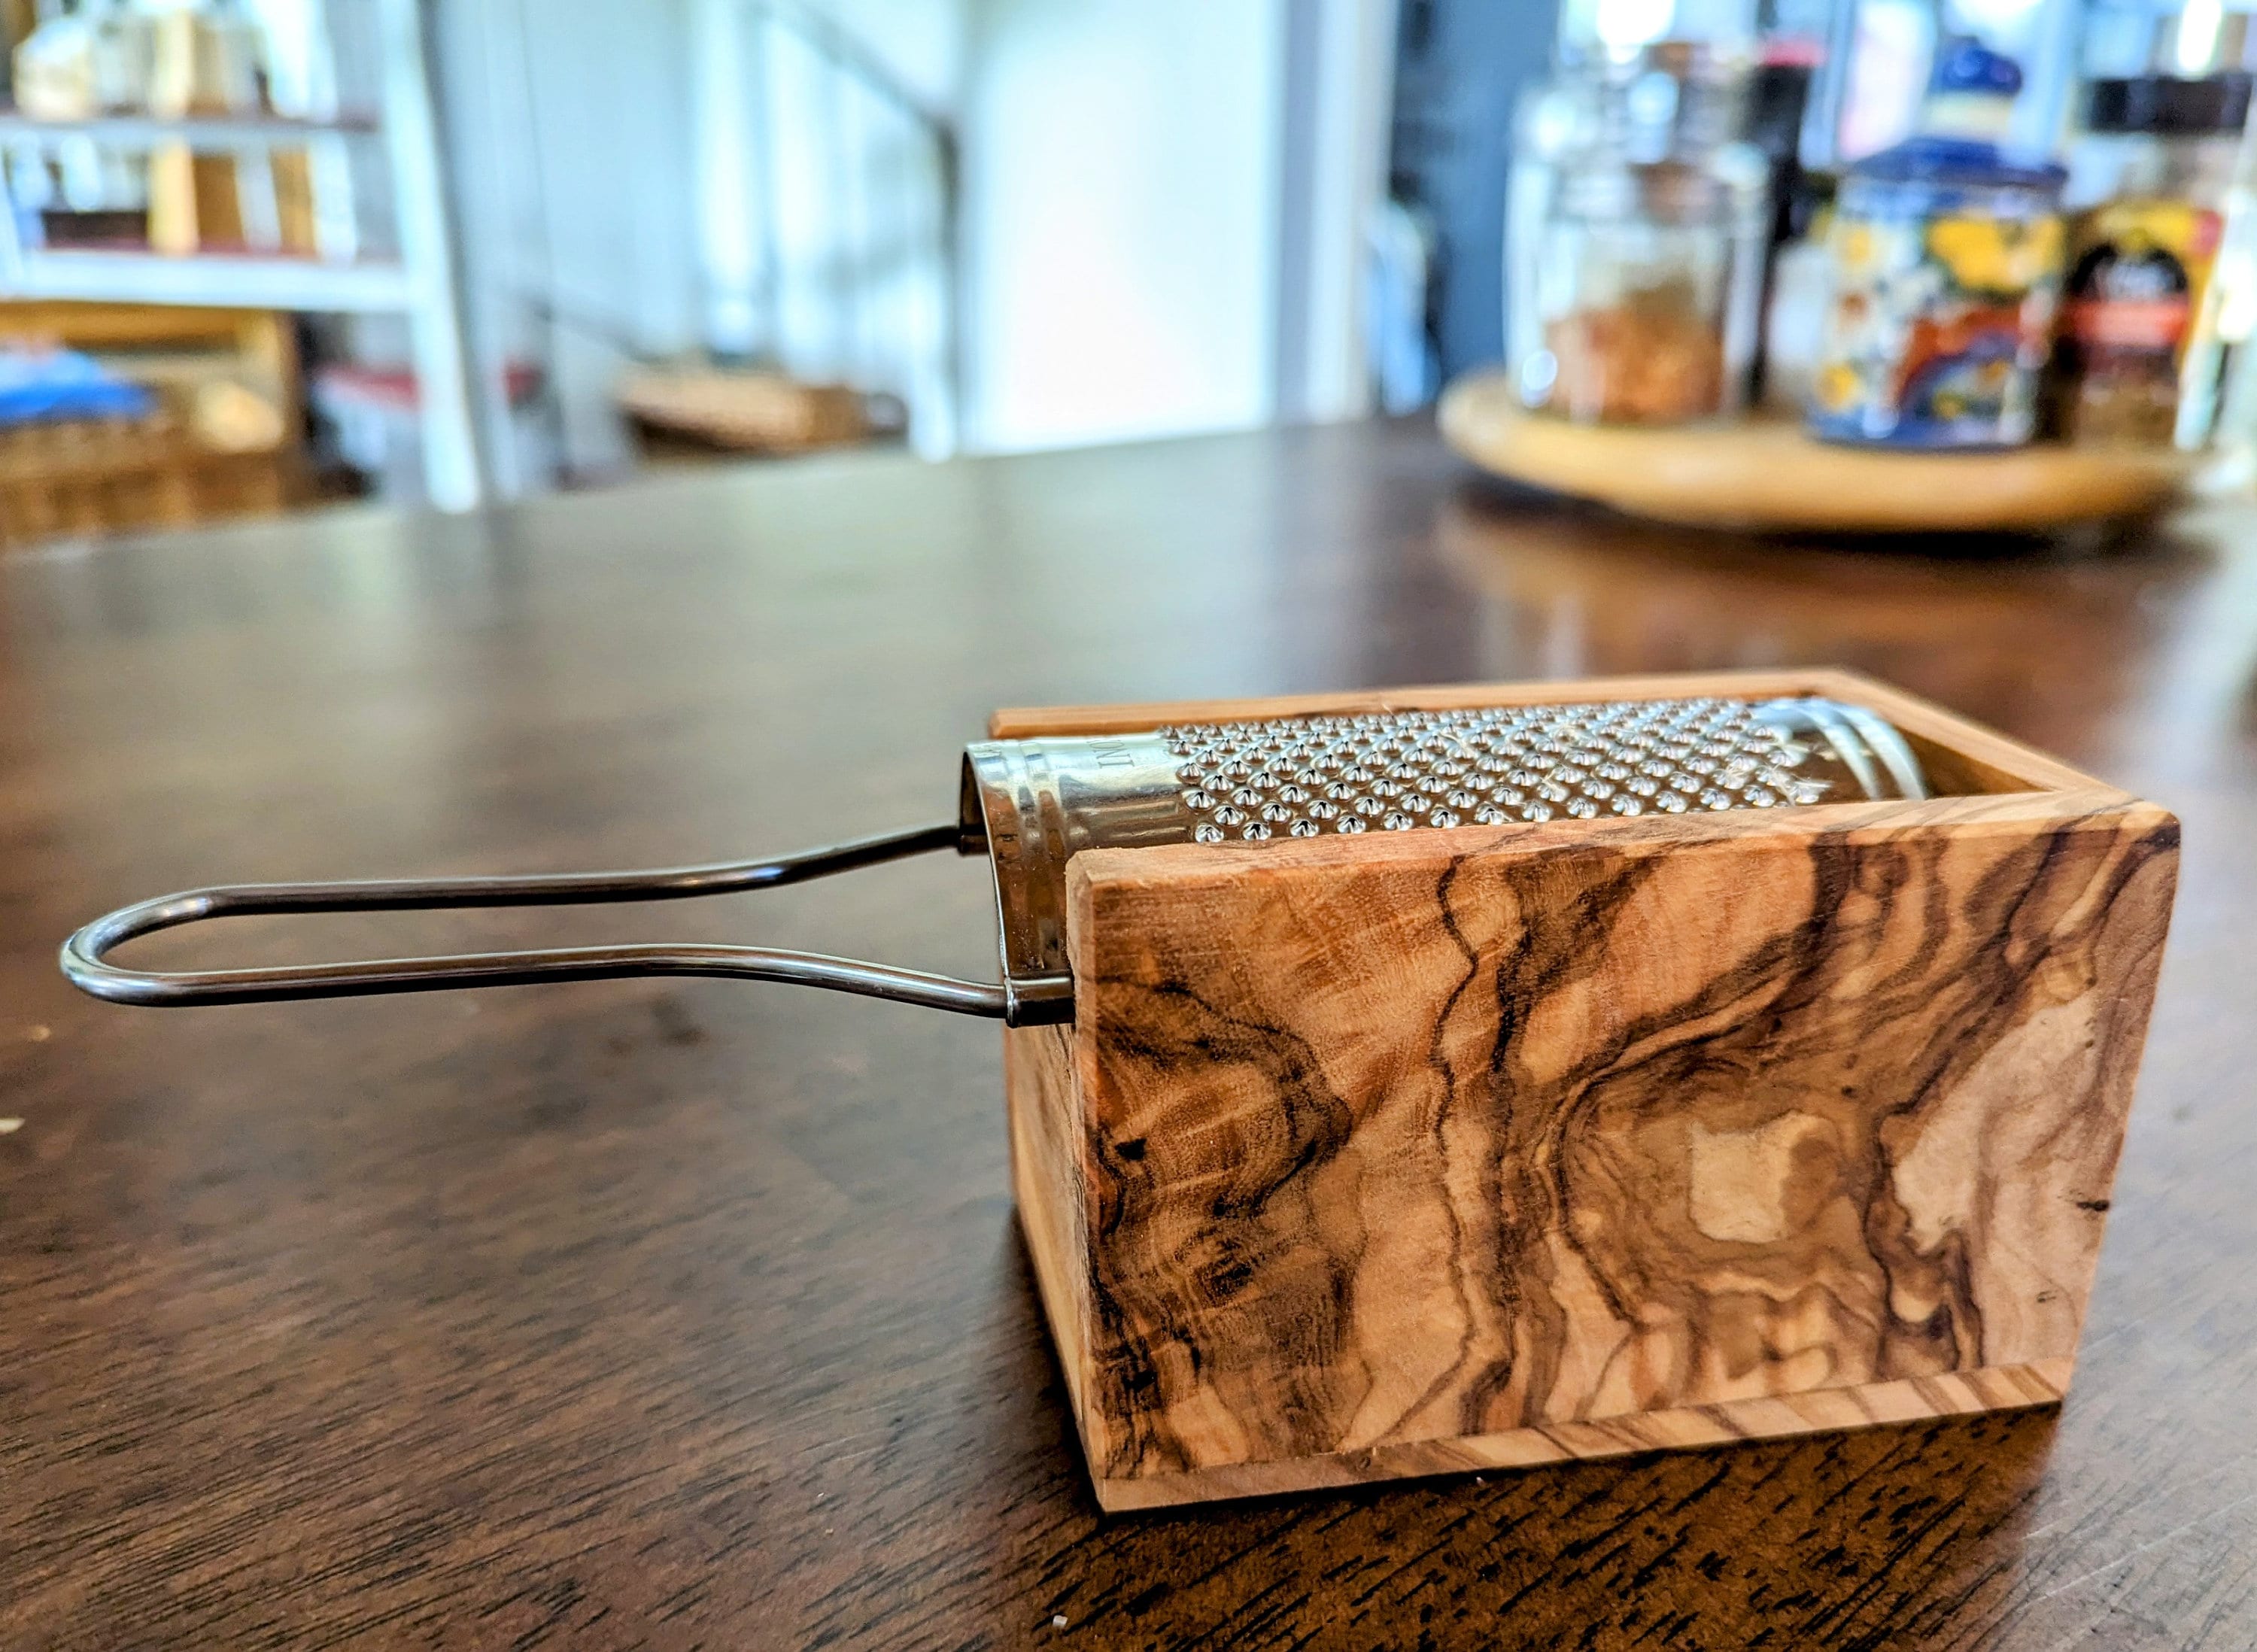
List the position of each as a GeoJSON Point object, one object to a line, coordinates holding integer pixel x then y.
{"type": "Point", "coordinates": [1124, 189]}
{"type": "Point", "coordinates": [821, 156]}
{"type": "Point", "coordinates": [1121, 168]}
{"type": "Point", "coordinates": [920, 41]}
{"type": "Point", "coordinates": [571, 127]}
{"type": "Point", "coordinates": [1337, 119]}
{"type": "Point", "coordinates": [557, 113]}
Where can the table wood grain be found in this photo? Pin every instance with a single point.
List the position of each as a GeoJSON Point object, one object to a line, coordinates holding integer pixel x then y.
{"type": "Point", "coordinates": [674, 1314]}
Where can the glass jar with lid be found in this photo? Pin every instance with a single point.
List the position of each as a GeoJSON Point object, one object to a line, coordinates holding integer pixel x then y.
{"type": "Point", "coordinates": [1635, 241]}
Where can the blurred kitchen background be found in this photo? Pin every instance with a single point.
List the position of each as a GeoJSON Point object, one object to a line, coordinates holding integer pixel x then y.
{"type": "Point", "coordinates": [260, 254]}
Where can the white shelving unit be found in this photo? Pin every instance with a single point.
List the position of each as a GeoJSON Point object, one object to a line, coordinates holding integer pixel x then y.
{"type": "Point", "coordinates": [423, 283]}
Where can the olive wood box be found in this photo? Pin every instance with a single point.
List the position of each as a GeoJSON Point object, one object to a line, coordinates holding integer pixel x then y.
{"type": "Point", "coordinates": [1430, 1151]}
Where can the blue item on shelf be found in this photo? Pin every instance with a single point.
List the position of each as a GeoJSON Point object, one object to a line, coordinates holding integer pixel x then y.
{"type": "Point", "coordinates": [52, 385]}
{"type": "Point", "coordinates": [1971, 66]}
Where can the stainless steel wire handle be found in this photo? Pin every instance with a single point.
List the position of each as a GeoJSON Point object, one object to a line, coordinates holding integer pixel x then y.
{"type": "Point", "coordinates": [85, 963]}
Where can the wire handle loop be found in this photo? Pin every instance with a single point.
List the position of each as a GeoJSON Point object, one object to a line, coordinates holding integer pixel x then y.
{"type": "Point", "coordinates": [85, 955]}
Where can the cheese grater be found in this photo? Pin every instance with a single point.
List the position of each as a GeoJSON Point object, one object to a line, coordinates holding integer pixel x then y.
{"type": "Point", "coordinates": [1394, 1090]}
{"type": "Point", "coordinates": [1031, 805]}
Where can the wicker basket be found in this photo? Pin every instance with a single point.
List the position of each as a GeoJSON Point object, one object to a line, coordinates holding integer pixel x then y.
{"type": "Point", "coordinates": [101, 476]}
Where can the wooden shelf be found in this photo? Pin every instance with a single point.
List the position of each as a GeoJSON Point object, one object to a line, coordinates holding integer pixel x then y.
{"type": "Point", "coordinates": [422, 283]}
{"type": "Point", "coordinates": [199, 131]}
{"type": "Point", "coordinates": [223, 280]}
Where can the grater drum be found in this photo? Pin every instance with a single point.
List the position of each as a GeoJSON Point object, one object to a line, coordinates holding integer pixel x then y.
{"type": "Point", "coordinates": [1033, 804]}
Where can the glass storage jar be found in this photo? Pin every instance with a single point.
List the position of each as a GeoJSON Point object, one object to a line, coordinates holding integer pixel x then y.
{"type": "Point", "coordinates": [1644, 289]}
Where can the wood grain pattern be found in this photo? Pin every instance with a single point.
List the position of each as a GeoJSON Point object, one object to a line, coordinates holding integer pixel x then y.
{"type": "Point", "coordinates": [1048, 1176]}
{"type": "Point", "coordinates": [1397, 1143]}
{"type": "Point", "coordinates": [1670, 1429]}
{"type": "Point", "coordinates": [677, 1314]}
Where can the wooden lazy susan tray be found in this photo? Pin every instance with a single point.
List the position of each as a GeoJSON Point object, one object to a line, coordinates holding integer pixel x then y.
{"type": "Point", "coordinates": [1767, 474]}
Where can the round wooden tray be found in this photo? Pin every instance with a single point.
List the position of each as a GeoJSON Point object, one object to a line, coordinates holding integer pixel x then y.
{"type": "Point", "coordinates": [1765, 473]}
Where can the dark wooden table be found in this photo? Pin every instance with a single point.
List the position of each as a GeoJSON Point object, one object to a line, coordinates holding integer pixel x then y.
{"type": "Point", "coordinates": [677, 1314]}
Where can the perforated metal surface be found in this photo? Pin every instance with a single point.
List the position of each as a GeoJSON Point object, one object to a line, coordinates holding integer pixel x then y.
{"type": "Point", "coordinates": [1302, 777]}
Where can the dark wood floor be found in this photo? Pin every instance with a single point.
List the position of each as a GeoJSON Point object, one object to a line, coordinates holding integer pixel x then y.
{"type": "Point", "coordinates": [694, 1314]}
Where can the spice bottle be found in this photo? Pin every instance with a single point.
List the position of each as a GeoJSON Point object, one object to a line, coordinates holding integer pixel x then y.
{"type": "Point", "coordinates": [1947, 263]}
{"type": "Point", "coordinates": [2139, 354]}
